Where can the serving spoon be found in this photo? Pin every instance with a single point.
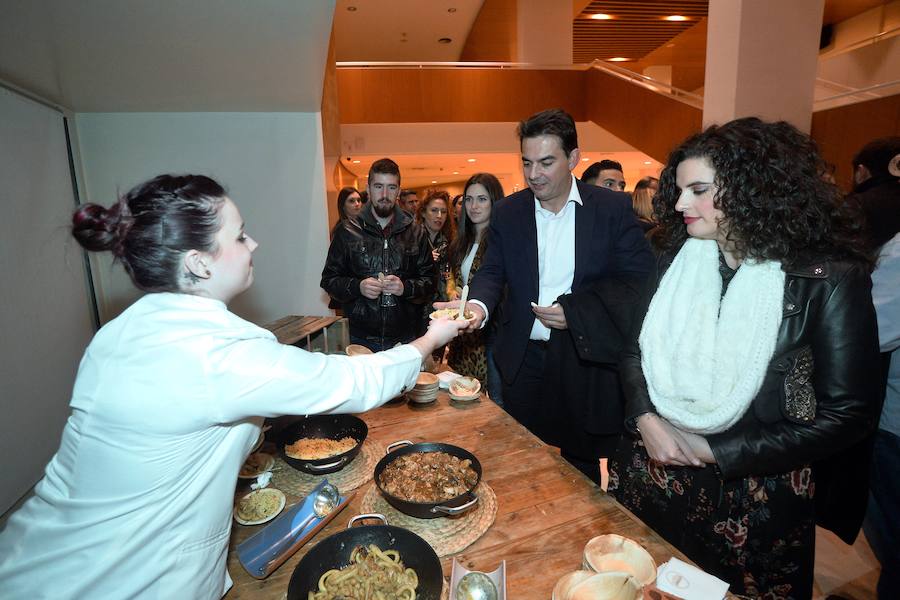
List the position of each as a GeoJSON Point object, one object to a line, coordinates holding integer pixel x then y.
{"type": "Point", "coordinates": [475, 585]}
{"type": "Point", "coordinates": [325, 501]}
{"type": "Point", "coordinates": [462, 303]}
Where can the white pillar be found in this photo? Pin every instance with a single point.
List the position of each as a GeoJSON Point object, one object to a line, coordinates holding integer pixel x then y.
{"type": "Point", "coordinates": [761, 58]}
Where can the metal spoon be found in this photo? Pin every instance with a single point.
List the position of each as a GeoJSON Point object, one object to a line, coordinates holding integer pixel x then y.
{"type": "Point", "coordinates": [325, 500]}
{"type": "Point", "coordinates": [476, 586]}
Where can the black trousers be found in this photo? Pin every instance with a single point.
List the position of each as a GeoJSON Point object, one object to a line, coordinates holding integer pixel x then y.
{"type": "Point", "coordinates": [522, 399]}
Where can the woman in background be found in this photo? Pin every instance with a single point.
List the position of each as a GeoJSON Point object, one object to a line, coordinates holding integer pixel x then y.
{"type": "Point", "coordinates": [642, 201]}
{"type": "Point", "coordinates": [349, 204]}
{"type": "Point", "coordinates": [470, 354]}
{"type": "Point", "coordinates": [755, 365]}
{"type": "Point", "coordinates": [168, 401]}
{"type": "Point", "coordinates": [434, 216]}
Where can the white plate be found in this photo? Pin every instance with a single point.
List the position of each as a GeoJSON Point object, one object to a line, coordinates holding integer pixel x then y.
{"type": "Point", "coordinates": [267, 461]}
{"type": "Point", "coordinates": [264, 491]}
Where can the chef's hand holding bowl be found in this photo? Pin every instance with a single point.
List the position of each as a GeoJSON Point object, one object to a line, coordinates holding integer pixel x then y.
{"type": "Point", "coordinates": [473, 323]}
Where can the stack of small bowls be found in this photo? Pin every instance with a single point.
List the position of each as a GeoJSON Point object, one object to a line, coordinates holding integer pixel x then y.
{"type": "Point", "coordinates": [425, 390]}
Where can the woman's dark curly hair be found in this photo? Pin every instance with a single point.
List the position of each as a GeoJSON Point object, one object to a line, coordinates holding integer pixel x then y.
{"type": "Point", "coordinates": [776, 203]}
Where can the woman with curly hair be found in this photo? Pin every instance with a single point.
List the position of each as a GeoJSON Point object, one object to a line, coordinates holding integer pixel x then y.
{"type": "Point", "coordinates": [753, 370]}
{"type": "Point", "coordinates": [433, 214]}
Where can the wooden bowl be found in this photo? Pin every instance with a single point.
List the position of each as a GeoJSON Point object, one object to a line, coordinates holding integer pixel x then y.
{"type": "Point", "coordinates": [356, 350]}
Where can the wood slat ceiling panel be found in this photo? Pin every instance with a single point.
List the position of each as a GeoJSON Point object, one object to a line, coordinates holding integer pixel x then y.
{"type": "Point", "coordinates": [636, 29]}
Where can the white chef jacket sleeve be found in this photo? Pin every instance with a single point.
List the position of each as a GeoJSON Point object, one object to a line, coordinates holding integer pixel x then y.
{"type": "Point", "coordinates": [886, 294]}
{"type": "Point", "coordinates": [261, 377]}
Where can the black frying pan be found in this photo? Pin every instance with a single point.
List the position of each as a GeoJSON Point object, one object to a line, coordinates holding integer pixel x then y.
{"type": "Point", "coordinates": [334, 552]}
{"type": "Point", "coordinates": [333, 427]}
{"type": "Point", "coordinates": [429, 510]}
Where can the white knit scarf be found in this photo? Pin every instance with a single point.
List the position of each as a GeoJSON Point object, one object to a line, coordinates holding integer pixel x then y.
{"type": "Point", "coordinates": [704, 356]}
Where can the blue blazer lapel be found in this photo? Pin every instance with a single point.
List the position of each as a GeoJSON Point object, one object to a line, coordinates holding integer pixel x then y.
{"type": "Point", "coordinates": [530, 249]}
{"type": "Point", "coordinates": [584, 232]}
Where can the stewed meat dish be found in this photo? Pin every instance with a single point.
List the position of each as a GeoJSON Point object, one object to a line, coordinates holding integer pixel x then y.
{"type": "Point", "coordinates": [428, 477]}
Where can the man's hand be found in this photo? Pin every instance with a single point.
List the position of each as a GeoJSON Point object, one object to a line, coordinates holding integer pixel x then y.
{"type": "Point", "coordinates": [470, 307]}
{"type": "Point", "coordinates": [392, 285]}
{"type": "Point", "coordinates": [665, 443]}
{"type": "Point", "coordinates": [370, 287]}
{"type": "Point", "coordinates": [551, 317]}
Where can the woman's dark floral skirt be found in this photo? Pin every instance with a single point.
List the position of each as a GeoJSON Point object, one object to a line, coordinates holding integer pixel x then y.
{"type": "Point", "coordinates": [756, 533]}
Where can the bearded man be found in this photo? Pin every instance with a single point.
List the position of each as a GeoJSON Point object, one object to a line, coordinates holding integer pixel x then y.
{"type": "Point", "coordinates": [379, 267]}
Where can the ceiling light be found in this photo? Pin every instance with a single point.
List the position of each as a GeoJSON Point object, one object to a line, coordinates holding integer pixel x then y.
{"type": "Point", "coordinates": [618, 59]}
{"type": "Point", "coordinates": [675, 18]}
{"type": "Point", "coordinates": [585, 159]}
{"type": "Point", "coordinates": [451, 10]}
{"type": "Point", "coordinates": [444, 41]}
{"type": "Point", "coordinates": [602, 16]}
{"type": "Point", "coordinates": [433, 181]}
{"type": "Point", "coordinates": [351, 8]}
{"type": "Point", "coordinates": [647, 162]}
{"type": "Point", "coordinates": [670, 45]}
{"type": "Point", "coordinates": [456, 172]}
{"type": "Point", "coordinates": [355, 162]}
{"type": "Point", "coordinates": [470, 159]}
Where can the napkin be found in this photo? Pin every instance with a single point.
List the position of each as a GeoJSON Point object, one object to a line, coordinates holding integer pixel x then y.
{"type": "Point", "coordinates": [688, 582]}
{"type": "Point", "coordinates": [445, 377]}
{"type": "Point", "coordinates": [267, 549]}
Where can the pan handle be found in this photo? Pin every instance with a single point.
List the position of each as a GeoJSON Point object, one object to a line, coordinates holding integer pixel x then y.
{"type": "Point", "coordinates": [447, 510]}
{"type": "Point", "coordinates": [397, 445]}
{"type": "Point", "coordinates": [353, 520]}
{"type": "Point", "coordinates": [313, 467]}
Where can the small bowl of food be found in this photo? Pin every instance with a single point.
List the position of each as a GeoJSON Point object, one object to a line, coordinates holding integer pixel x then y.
{"type": "Point", "coordinates": [452, 313]}
{"type": "Point", "coordinates": [259, 506]}
{"type": "Point", "coordinates": [356, 350]}
{"type": "Point", "coordinates": [615, 553]}
{"type": "Point", "coordinates": [585, 585]}
{"type": "Point", "coordinates": [256, 464]}
{"type": "Point", "coordinates": [465, 389]}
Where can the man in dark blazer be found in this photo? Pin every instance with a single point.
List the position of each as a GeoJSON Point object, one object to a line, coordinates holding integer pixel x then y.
{"type": "Point", "coordinates": [571, 258]}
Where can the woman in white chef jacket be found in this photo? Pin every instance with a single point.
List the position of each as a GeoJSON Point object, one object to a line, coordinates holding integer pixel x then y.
{"type": "Point", "coordinates": [168, 401]}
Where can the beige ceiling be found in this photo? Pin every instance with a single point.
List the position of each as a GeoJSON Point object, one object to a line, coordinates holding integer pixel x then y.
{"type": "Point", "coordinates": [168, 55]}
{"type": "Point", "coordinates": [402, 30]}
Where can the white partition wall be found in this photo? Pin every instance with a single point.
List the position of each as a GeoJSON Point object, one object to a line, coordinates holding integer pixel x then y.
{"type": "Point", "coordinates": [45, 315]}
{"type": "Point", "coordinates": [270, 163]}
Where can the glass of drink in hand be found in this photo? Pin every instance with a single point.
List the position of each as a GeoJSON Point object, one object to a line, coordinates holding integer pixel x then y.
{"type": "Point", "coordinates": [387, 299]}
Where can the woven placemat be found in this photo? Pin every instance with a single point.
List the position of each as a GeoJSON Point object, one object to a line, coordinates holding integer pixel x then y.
{"type": "Point", "coordinates": [447, 535]}
{"type": "Point", "coordinates": [356, 474]}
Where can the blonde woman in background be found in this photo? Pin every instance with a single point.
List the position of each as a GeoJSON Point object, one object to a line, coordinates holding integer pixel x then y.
{"type": "Point", "coordinates": [642, 201]}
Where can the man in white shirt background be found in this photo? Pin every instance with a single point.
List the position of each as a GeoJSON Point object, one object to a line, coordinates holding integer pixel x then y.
{"type": "Point", "coordinates": [559, 248]}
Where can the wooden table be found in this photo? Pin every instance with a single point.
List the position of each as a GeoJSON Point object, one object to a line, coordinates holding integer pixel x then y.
{"type": "Point", "coordinates": [547, 510]}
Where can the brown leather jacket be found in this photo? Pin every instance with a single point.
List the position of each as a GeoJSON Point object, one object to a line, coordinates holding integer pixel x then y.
{"type": "Point", "coordinates": [819, 399]}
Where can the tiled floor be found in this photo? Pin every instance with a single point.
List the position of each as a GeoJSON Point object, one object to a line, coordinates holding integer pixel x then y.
{"type": "Point", "coordinates": [848, 571]}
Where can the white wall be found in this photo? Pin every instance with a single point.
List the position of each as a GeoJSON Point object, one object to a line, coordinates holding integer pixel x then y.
{"type": "Point", "coordinates": [45, 321]}
{"type": "Point", "coordinates": [270, 163]}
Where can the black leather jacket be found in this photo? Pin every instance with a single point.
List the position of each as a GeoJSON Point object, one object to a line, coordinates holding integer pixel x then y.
{"type": "Point", "coordinates": [819, 398]}
{"type": "Point", "coordinates": [359, 250]}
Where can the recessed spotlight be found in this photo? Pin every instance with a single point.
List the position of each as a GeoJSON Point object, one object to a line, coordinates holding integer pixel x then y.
{"type": "Point", "coordinates": [451, 10]}
{"type": "Point", "coordinates": [356, 162]}
{"type": "Point", "coordinates": [618, 59]}
{"type": "Point", "coordinates": [444, 41]}
{"type": "Point", "coordinates": [675, 18]}
{"type": "Point", "coordinates": [648, 162]}
{"type": "Point", "coordinates": [470, 160]}
{"type": "Point", "coordinates": [351, 8]}
{"type": "Point", "coordinates": [602, 16]}
{"type": "Point", "coordinates": [433, 181]}
{"type": "Point", "coordinates": [456, 172]}
{"type": "Point", "coordinates": [585, 159]}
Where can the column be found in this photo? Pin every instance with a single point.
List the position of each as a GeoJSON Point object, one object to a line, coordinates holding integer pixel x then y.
{"type": "Point", "coordinates": [761, 58]}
